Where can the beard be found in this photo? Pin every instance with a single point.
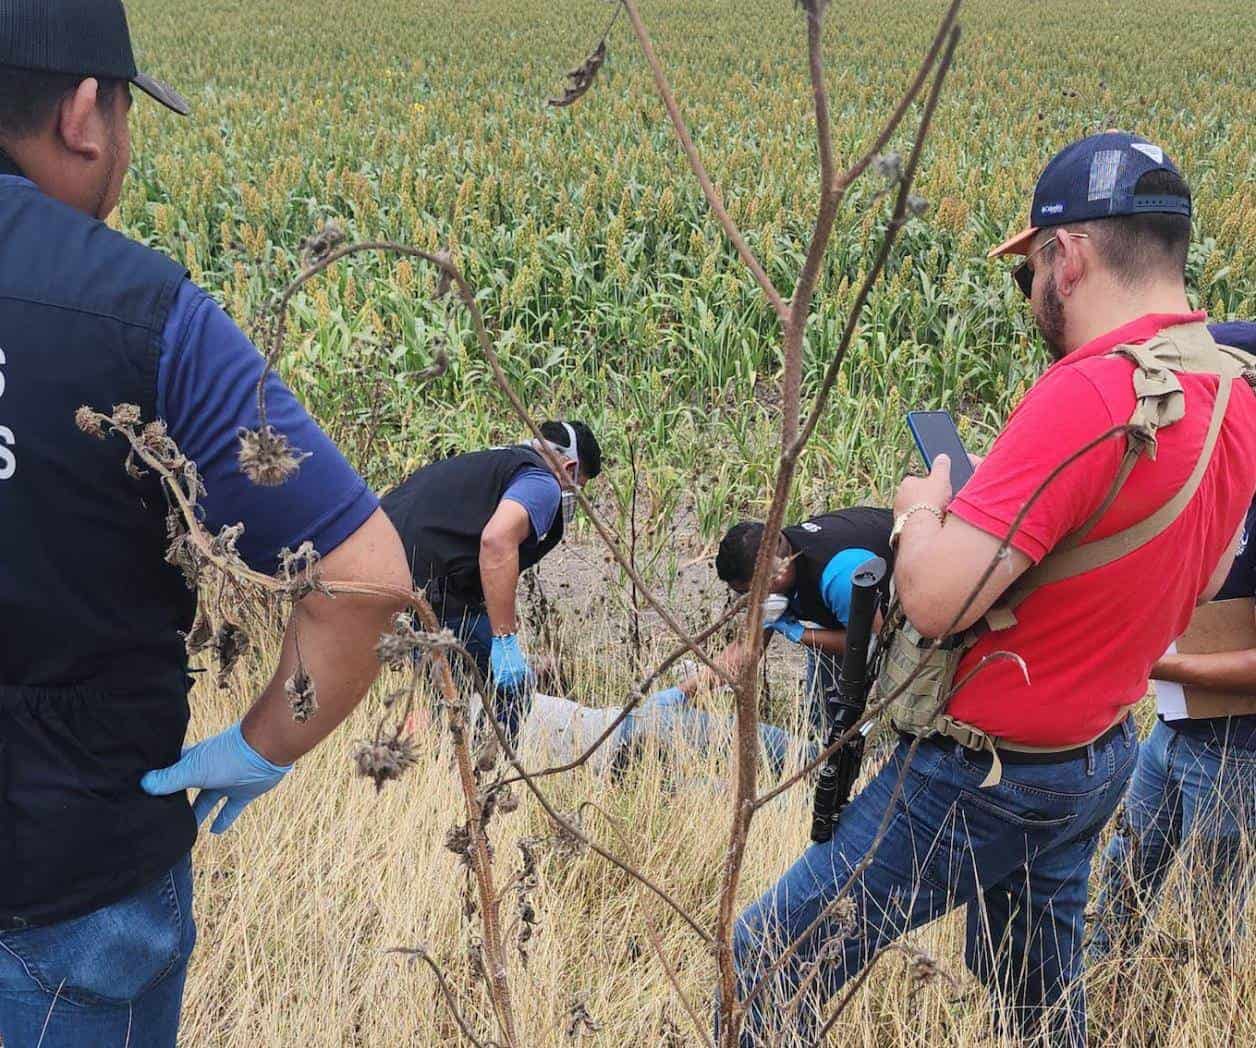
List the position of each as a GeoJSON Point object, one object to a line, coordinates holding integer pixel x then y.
{"type": "Point", "coordinates": [1049, 316]}
{"type": "Point", "coordinates": [105, 201]}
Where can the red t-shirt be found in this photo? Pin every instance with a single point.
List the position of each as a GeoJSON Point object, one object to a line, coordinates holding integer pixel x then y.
{"type": "Point", "coordinates": [1089, 642]}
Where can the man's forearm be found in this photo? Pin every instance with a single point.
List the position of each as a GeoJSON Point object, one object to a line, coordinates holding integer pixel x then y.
{"type": "Point", "coordinates": [338, 653]}
{"type": "Point", "coordinates": [338, 636]}
{"type": "Point", "coordinates": [499, 573]}
{"type": "Point", "coordinates": [830, 642]}
{"type": "Point", "coordinates": [1233, 671]}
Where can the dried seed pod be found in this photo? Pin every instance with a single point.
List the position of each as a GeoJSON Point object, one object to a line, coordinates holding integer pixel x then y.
{"type": "Point", "coordinates": [125, 415]}
{"type": "Point", "coordinates": [445, 281]}
{"type": "Point", "coordinates": [89, 422]}
{"type": "Point", "coordinates": [384, 760]}
{"type": "Point", "coordinates": [579, 1021]}
{"type": "Point", "coordinates": [230, 642]}
{"type": "Point", "coordinates": [581, 78]}
{"type": "Point", "coordinates": [888, 166]}
{"type": "Point", "coordinates": [397, 649]}
{"type": "Point", "coordinates": [507, 801]}
{"type": "Point", "coordinates": [267, 458]}
{"type": "Point", "coordinates": [298, 572]}
{"type": "Point", "coordinates": [486, 756]}
{"type": "Point", "coordinates": [302, 695]}
{"type": "Point", "coordinates": [321, 244]}
{"type": "Point", "coordinates": [200, 636]}
{"type": "Point", "coordinates": [566, 843]}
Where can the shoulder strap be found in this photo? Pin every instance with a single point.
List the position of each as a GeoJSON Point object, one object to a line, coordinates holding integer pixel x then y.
{"type": "Point", "coordinates": [1160, 402]}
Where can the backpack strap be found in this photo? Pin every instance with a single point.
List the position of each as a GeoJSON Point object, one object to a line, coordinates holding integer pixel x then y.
{"type": "Point", "coordinates": [1160, 402]}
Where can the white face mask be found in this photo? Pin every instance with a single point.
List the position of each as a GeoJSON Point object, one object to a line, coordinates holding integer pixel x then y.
{"type": "Point", "coordinates": [572, 453]}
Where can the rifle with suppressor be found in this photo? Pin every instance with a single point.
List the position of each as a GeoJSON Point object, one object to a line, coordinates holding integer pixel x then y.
{"type": "Point", "coordinates": [848, 702]}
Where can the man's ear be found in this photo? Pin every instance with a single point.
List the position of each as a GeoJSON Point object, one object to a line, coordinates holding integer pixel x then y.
{"type": "Point", "coordinates": [80, 123]}
{"type": "Point", "coordinates": [1071, 261]}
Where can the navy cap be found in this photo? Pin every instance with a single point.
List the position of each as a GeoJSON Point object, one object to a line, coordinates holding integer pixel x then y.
{"type": "Point", "coordinates": [78, 38]}
{"type": "Point", "coordinates": [1093, 179]}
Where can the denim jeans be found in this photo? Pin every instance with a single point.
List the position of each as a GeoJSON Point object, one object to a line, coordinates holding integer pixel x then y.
{"type": "Point", "coordinates": [1187, 796]}
{"type": "Point", "coordinates": [510, 706]}
{"type": "Point", "coordinates": [113, 977]}
{"type": "Point", "coordinates": [672, 722]}
{"type": "Point", "coordinates": [1017, 855]}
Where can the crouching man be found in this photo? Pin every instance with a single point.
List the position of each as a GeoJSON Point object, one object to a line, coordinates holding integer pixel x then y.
{"type": "Point", "coordinates": [471, 523]}
{"type": "Point", "coordinates": [810, 588]}
{"type": "Point", "coordinates": [1005, 776]}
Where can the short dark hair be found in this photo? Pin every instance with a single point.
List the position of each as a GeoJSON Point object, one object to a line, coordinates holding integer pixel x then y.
{"type": "Point", "coordinates": [1135, 247]}
{"type": "Point", "coordinates": [29, 97]}
{"type": "Point", "coordinates": [739, 549]}
{"type": "Point", "coordinates": [587, 447]}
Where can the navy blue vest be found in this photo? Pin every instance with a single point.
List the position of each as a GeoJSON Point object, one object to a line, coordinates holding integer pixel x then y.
{"type": "Point", "coordinates": [818, 540]}
{"type": "Point", "coordinates": [93, 673]}
{"type": "Point", "coordinates": [440, 512]}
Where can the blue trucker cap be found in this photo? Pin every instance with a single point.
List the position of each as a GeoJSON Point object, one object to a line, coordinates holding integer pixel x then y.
{"type": "Point", "coordinates": [1095, 178]}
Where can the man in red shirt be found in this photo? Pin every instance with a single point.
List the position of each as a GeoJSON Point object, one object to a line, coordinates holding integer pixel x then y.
{"type": "Point", "coordinates": [1006, 822]}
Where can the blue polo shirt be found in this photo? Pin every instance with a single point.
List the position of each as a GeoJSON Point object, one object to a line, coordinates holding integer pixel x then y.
{"type": "Point", "coordinates": [207, 376]}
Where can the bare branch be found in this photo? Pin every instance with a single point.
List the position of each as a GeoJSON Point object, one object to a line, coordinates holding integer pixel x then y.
{"type": "Point", "coordinates": [413, 953]}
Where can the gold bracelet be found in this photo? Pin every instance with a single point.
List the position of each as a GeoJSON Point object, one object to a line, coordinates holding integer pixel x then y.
{"type": "Point", "coordinates": [900, 521]}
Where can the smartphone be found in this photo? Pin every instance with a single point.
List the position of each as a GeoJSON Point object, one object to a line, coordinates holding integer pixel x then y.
{"type": "Point", "coordinates": [935, 434]}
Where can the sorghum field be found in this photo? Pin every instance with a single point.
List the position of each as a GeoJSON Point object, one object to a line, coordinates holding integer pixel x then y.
{"type": "Point", "coordinates": [615, 298]}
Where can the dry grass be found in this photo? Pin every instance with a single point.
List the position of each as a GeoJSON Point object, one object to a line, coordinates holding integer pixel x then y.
{"type": "Point", "coordinates": [300, 903]}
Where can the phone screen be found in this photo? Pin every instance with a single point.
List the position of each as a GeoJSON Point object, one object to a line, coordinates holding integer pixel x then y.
{"type": "Point", "coordinates": [935, 435]}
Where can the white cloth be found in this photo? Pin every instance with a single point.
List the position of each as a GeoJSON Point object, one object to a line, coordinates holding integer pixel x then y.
{"type": "Point", "coordinates": [1170, 698]}
{"type": "Point", "coordinates": [559, 730]}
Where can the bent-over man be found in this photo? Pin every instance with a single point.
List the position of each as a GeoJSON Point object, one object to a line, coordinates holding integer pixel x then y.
{"type": "Point", "coordinates": [471, 523]}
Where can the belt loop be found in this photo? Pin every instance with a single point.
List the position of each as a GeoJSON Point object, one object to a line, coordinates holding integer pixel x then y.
{"type": "Point", "coordinates": [1090, 759]}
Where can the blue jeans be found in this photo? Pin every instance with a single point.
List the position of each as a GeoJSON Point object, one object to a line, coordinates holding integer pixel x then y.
{"type": "Point", "coordinates": [671, 720]}
{"type": "Point", "coordinates": [1187, 795]}
{"type": "Point", "coordinates": [510, 705]}
{"type": "Point", "coordinates": [111, 978]}
{"type": "Point", "coordinates": [1017, 855]}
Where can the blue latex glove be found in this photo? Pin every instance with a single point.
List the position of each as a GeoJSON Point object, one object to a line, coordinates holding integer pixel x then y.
{"type": "Point", "coordinates": [222, 766]}
{"type": "Point", "coordinates": [510, 669]}
{"type": "Point", "coordinates": [788, 627]}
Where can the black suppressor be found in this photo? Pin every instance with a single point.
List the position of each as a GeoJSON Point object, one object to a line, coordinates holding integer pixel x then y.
{"type": "Point", "coordinates": [848, 702]}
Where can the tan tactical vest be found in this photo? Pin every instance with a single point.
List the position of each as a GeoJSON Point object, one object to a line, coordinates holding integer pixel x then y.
{"type": "Point", "coordinates": [918, 675]}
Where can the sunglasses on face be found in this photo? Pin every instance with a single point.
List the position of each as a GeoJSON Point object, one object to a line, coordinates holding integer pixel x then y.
{"type": "Point", "coordinates": [1024, 273]}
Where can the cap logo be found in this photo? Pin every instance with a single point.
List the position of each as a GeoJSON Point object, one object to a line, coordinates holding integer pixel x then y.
{"type": "Point", "coordinates": [1051, 209]}
{"type": "Point", "coordinates": [809, 526]}
{"type": "Point", "coordinates": [1104, 166]}
{"type": "Point", "coordinates": [1147, 149]}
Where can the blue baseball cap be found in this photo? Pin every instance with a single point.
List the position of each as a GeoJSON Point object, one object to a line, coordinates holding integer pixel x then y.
{"type": "Point", "coordinates": [1095, 178]}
